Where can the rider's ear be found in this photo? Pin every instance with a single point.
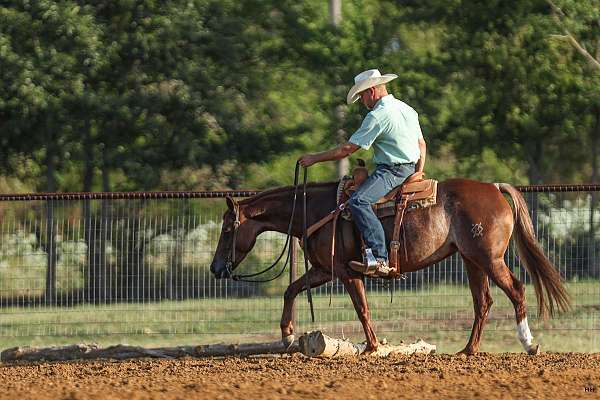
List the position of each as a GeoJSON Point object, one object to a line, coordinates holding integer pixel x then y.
{"type": "Point", "coordinates": [230, 203]}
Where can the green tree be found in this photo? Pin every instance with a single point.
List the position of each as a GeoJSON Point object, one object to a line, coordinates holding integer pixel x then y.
{"type": "Point", "coordinates": [518, 91]}
{"type": "Point", "coordinates": [47, 50]}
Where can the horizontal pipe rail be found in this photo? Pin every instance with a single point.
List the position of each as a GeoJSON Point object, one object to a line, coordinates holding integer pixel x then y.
{"type": "Point", "coordinates": [128, 195]}
{"type": "Point", "coordinates": [233, 193]}
{"type": "Point", "coordinates": [558, 188]}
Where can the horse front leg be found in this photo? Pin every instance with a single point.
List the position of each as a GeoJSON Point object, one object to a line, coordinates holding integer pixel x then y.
{"type": "Point", "coordinates": [355, 285]}
{"type": "Point", "coordinates": [316, 276]}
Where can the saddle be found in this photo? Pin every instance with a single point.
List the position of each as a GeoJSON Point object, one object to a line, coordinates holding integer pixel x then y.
{"type": "Point", "coordinates": [416, 192]}
{"type": "Point", "coordinates": [419, 192]}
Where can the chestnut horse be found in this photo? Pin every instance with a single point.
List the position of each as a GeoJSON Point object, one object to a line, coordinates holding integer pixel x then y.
{"type": "Point", "coordinates": [471, 217]}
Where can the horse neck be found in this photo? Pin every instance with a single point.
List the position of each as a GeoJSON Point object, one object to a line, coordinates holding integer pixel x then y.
{"type": "Point", "coordinates": [276, 207]}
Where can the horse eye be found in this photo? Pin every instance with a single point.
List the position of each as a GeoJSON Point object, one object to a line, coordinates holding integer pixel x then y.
{"type": "Point", "coordinates": [228, 229]}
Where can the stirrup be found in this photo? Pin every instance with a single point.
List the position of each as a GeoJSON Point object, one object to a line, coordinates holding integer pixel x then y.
{"type": "Point", "coordinates": [363, 268]}
{"type": "Point", "coordinates": [368, 265]}
{"type": "Point", "coordinates": [372, 267]}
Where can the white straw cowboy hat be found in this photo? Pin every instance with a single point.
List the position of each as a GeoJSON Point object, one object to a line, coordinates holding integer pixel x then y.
{"type": "Point", "coordinates": [365, 80]}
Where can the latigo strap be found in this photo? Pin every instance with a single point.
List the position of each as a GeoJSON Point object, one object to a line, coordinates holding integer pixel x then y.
{"type": "Point", "coordinates": [401, 203]}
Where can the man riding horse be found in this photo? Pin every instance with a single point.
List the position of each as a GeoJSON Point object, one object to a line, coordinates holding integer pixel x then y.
{"type": "Point", "coordinates": [468, 217]}
{"type": "Point", "coordinates": [392, 128]}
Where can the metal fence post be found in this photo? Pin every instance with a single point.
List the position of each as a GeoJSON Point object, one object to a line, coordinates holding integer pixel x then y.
{"type": "Point", "coordinates": [50, 246]}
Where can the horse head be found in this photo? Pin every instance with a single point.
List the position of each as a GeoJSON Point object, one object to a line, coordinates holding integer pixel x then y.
{"type": "Point", "coordinates": [238, 235]}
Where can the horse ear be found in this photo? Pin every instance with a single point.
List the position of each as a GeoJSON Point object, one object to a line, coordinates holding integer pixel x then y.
{"type": "Point", "coordinates": [230, 203]}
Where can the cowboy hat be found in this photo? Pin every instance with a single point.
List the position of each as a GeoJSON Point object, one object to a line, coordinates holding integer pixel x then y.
{"type": "Point", "coordinates": [365, 80]}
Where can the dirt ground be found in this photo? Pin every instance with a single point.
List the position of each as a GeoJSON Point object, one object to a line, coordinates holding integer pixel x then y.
{"type": "Point", "coordinates": [551, 375]}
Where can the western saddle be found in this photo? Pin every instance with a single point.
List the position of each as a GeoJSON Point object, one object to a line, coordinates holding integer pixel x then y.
{"type": "Point", "coordinates": [416, 192]}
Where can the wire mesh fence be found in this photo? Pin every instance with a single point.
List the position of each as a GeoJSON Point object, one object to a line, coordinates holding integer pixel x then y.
{"type": "Point", "coordinates": [134, 268]}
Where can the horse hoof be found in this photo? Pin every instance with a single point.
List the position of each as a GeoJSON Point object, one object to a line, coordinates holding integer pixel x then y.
{"type": "Point", "coordinates": [288, 341]}
{"type": "Point", "coordinates": [467, 351]}
{"type": "Point", "coordinates": [372, 351]}
{"type": "Point", "coordinates": [533, 350]}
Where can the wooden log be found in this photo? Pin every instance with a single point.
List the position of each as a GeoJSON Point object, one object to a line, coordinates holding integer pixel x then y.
{"type": "Point", "coordinates": [311, 344]}
{"type": "Point", "coordinates": [245, 349]}
{"type": "Point", "coordinates": [121, 352]}
{"type": "Point", "coordinates": [317, 344]}
{"type": "Point", "coordinates": [92, 351]}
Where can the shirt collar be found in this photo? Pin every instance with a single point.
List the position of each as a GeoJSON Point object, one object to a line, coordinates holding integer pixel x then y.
{"type": "Point", "coordinates": [385, 99]}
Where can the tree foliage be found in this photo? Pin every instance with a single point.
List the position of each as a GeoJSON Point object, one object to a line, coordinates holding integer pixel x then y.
{"type": "Point", "coordinates": [148, 94]}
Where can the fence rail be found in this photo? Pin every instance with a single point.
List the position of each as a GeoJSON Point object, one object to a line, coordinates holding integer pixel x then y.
{"type": "Point", "coordinates": [134, 267]}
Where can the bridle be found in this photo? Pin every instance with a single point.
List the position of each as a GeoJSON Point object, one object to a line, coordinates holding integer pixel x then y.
{"type": "Point", "coordinates": [230, 261]}
{"type": "Point", "coordinates": [231, 256]}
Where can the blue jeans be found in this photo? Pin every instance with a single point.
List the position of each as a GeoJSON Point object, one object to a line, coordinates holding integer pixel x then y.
{"type": "Point", "coordinates": [381, 181]}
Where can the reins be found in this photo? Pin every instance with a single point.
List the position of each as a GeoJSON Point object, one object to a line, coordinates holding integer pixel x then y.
{"type": "Point", "coordinates": [305, 247]}
{"type": "Point", "coordinates": [236, 224]}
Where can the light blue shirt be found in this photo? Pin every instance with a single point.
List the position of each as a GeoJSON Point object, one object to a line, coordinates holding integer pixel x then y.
{"type": "Point", "coordinates": [392, 128]}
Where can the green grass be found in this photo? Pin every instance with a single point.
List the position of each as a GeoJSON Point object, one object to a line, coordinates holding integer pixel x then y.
{"type": "Point", "coordinates": [441, 315]}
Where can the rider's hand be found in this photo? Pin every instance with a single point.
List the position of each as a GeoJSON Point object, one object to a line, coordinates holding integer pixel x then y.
{"type": "Point", "coordinates": [307, 160]}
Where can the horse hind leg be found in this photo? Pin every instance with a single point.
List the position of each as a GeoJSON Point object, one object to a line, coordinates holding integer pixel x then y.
{"type": "Point", "coordinates": [317, 276]}
{"type": "Point", "coordinates": [482, 302]}
{"type": "Point", "coordinates": [515, 290]}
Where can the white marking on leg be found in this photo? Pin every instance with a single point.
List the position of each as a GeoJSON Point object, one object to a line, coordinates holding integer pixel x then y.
{"type": "Point", "coordinates": [524, 334]}
{"type": "Point", "coordinates": [288, 340]}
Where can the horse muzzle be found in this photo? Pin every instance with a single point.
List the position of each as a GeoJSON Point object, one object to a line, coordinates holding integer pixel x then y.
{"type": "Point", "coordinates": [221, 270]}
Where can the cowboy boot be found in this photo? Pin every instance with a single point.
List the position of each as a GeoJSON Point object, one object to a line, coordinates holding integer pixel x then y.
{"type": "Point", "coordinates": [371, 266]}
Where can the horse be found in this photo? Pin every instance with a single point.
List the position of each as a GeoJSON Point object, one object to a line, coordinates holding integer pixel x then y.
{"type": "Point", "coordinates": [470, 217]}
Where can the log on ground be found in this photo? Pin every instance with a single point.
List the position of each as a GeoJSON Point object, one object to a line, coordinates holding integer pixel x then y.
{"type": "Point", "coordinates": [245, 349]}
{"type": "Point", "coordinates": [317, 344]}
{"type": "Point", "coordinates": [121, 352]}
{"type": "Point", "coordinates": [92, 351]}
{"type": "Point", "coordinates": [312, 344]}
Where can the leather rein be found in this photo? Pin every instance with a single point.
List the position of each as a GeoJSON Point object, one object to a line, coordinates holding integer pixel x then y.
{"type": "Point", "coordinates": [287, 246]}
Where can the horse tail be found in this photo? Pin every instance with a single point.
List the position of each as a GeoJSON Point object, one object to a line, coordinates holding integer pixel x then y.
{"type": "Point", "coordinates": [549, 289]}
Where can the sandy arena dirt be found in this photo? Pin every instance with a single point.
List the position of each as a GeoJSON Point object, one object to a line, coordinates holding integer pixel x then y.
{"type": "Point", "coordinates": [554, 375]}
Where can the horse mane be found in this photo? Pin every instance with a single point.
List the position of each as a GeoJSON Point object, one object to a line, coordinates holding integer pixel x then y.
{"type": "Point", "coordinates": [285, 189]}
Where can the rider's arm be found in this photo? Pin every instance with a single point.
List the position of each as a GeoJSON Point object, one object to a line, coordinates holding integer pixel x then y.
{"type": "Point", "coordinates": [342, 151]}
{"type": "Point", "coordinates": [423, 150]}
